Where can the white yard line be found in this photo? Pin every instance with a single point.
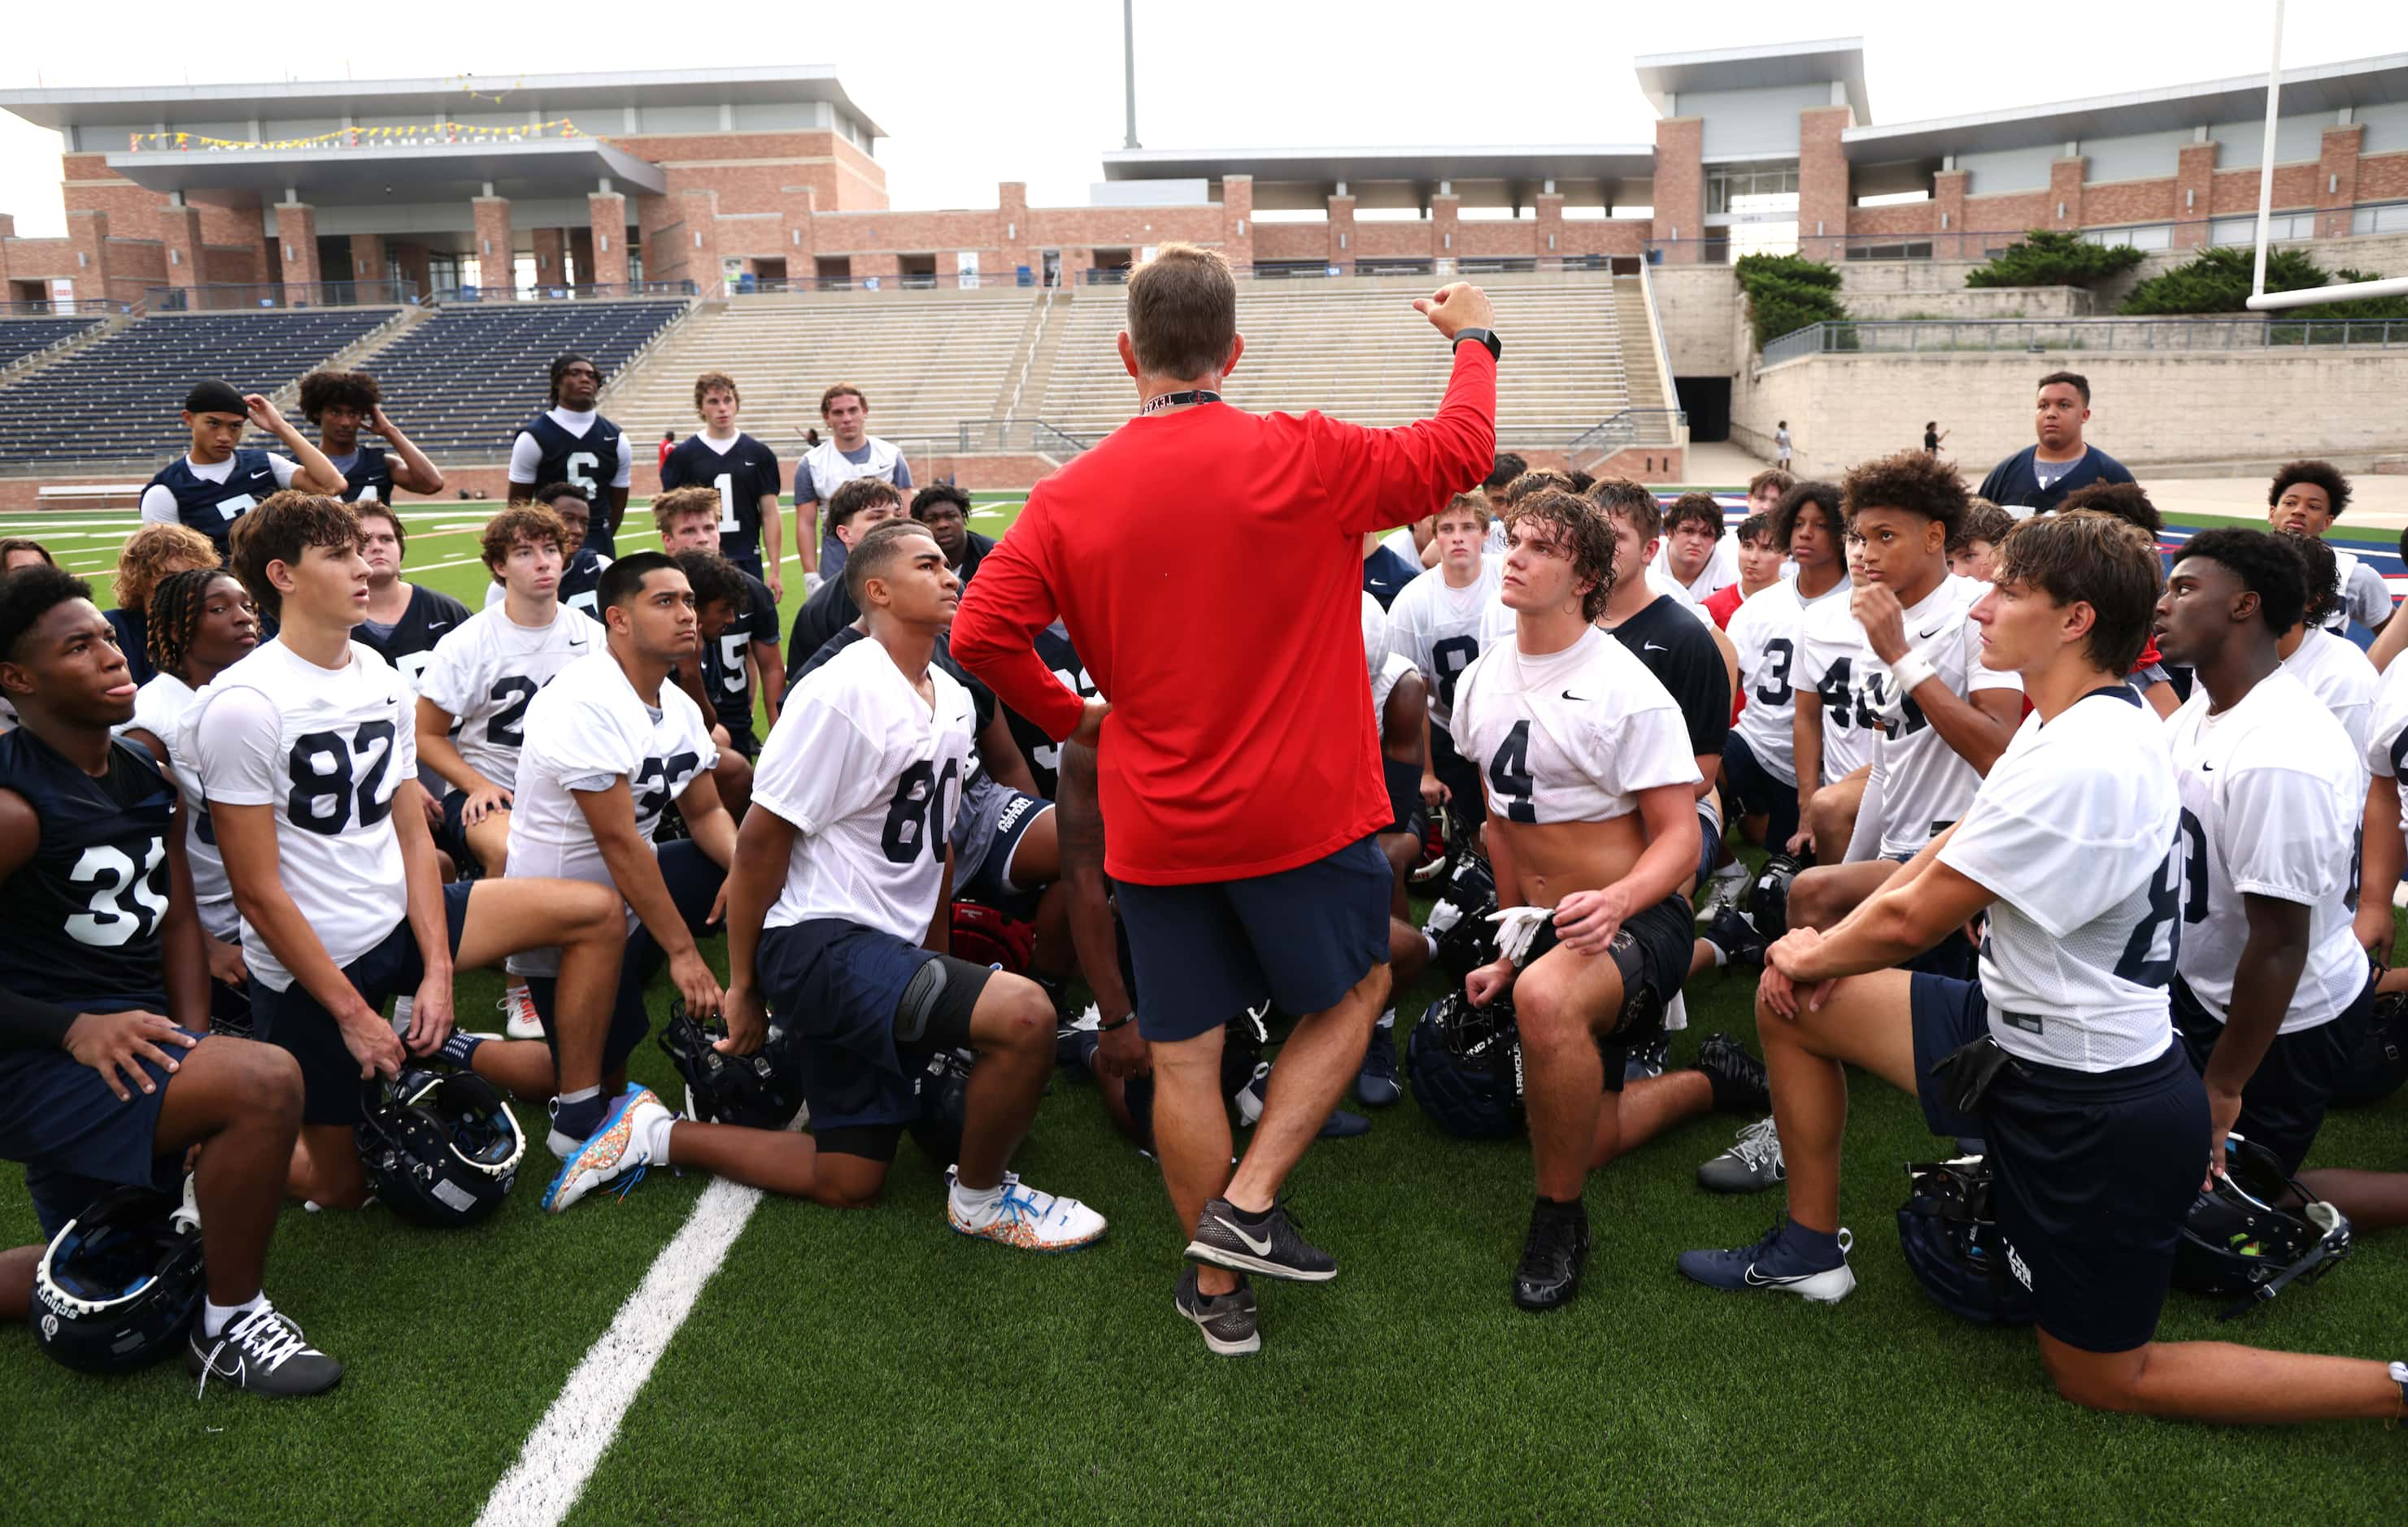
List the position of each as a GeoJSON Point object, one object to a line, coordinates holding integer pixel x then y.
{"type": "Point", "coordinates": [562, 1452]}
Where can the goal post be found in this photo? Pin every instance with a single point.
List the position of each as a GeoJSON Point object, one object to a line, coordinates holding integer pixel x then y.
{"type": "Point", "coordinates": [2261, 300]}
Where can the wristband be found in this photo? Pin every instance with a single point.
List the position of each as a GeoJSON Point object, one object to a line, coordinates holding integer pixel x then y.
{"type": "Point", "coordinates": [1121, 1023]}
{"type": "Point", "coordinates": [1911, 671]}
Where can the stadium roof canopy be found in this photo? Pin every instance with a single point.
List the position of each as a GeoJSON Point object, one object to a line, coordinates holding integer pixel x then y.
{"type": "Point", "coordinates": [335, 177]}
{"type": "Point", "coordinates": [1667, 77]}
{"type": "Point", "coordinates": [1482, 177]}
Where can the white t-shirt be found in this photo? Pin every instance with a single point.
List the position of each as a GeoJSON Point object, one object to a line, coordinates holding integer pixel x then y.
{"type": "Point", "coordinates": [1439, 627]}
{"type": "Point", "coordinates": [159, 502]}
{"type": "Point", "coordinates": [2272, 795]}
{"type": "Point", "coordinates": [159, 708]}
{"type": "Point", "coordinates": [587, 730]}
{"type": "Point", "coordinates": [486, 672]}
{"type": "Point", "coordinates": [2343, 677]}
{"type": "Point", "coordinates": [1766, 631]}
{"type": "Point", "coordinates": [1549, 758]}
{"type": "Point", "coordinates": [1828, 641]}
{"type": "Point", "coordinates": [527, 457]}
{"type": "Point", "coordinates": [2085, 858]}
{"type": "Point", "coordinates": [2365, 597]}
{"type": "Point", "coordinates": [869, 773]}
{"type": "Point", "coordinates": [1401, 541]}
{"type": "Point", "coordinates": [2386, 742]}
{"type": "Point", "coordinates": [326, 747]}
{"type": "Point", "coordinates": [1720, 572]}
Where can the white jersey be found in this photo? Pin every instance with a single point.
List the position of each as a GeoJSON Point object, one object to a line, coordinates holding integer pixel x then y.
{"type": "Point", "coordinates": [2387, 741]}
{"type": "Point", "coordinates": [1665, 583]}
{"type": "Point", "coordinates": [1439, 627]}
{"type": "Point", "coordinates": [1401, 541]}
{"type": "Point", "coordinates": [2085, 858]}
{"type": "Point", "coordinates": [587, 730]}
{"type": "Point", "coordinates": [1570, 736]}
{"type": "Point", "coordinates": [486, 672]}
{"type": "Point", "coordinates": [870, 775]}
{"type": "Point", "coordinates": [1384, 667]}
{"type": "Point", "coordinates": [1766, 631]}
{"type": "Point", "coordinates": [827, 469]}
{"type": "Point", "coordinates": [1828, 641]}
{"type": "Point", "coordinates": [159, 708]}
{"type": "Point", "coordinates": [326, 747]}
{"type": "Point", "coordinates": [2343, 677]}
{"type": "Point", "coordinates": [2365, 597]}
{"type": "Point", "coordinates": [2271, 796]}
{"type": "Point", "coordinates": [1719, 573]}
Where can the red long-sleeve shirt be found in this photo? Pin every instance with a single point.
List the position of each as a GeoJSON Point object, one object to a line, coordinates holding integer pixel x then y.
{"type": "Point", "coordinates": [1208, 564]}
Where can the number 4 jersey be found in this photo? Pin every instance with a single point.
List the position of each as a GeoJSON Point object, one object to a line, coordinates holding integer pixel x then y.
{"type": "Point", "coordinates": [84, 912]}
{"type": "Point", "coordinates": [486, 673]}
{"type": "Point", "coordinates": [1572, 736]}
{"type": "Point", "coordinates": [326, 747]}
{"type": "Point", "coordinates": [870, 775]}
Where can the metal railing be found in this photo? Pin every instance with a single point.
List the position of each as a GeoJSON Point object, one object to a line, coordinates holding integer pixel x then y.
{"type": "Point", "coordinates": [992, 435]}
{"type": "Point", "coordinates": [241, 296]}
{"type": "Point", "coordinates": [1920, 336]}
{"type": "Point", "coordinates": [69, 308]}
{"type": "Point", "coordinates": [2184, 236]}
{"type": "Point", "coordinates": [558, 292]}
{"type": "Point", "coordinates": [1624, 430]}
{"type": "Point", "coordinates": [945, 280]}
{"type": "Point", "coordinates": [1028, 358]}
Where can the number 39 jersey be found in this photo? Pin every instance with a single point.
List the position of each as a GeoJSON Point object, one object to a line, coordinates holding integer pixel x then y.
{"type": "Point", "coordinates": [326, 747]}
{"type": "Point", "coordinates": [1570, 736]}
{"type": "Point", "coordinates": [870, 775]}
{"type": "Point", "coordinates": [1439, 629]}
{"type": "Point", "coordinates": [486, 675]}
{"type": "Point", "coordinates": [2077, 832]}
{"type": "Point", "coordinates": [587, 730]}
{"type": "Point", "coordinates": [84, 912]}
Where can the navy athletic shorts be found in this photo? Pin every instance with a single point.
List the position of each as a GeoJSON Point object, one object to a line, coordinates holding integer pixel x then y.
{"type": "Point", "coordinates": [1652, 948]}
{"type": "Point", "coordinates": [1751, 790]}
{"type": "Point", "coordinates": [451, 835]}
{"type": "Point", "coordinates": [292, 1019]}
{"type": "Point", "coordinates": [1406, 812]}
{"type": "Point", "coordinates": [840, 988]}
{"type": "Point", "coordinates": [1460, 775]}
{"type": "Point", "coordinates": [991, 883]}
{"type": "Point", "coordinates": [1299, 940]}
{"type": "Point", "coordinates": [694, 880]}
{"type": "Point", "coordinates": [2092, 1171]}
{"type": "Point", "coordinates": [2283, 1105]}
{"type": "Point", "coordinates": [74, 1138]}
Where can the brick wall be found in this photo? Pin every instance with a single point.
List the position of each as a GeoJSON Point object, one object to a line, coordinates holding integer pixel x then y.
{"type": "Point", "coordinates": [1680, 201]}
{"type": "Point", "coordinates": [1822, 208]}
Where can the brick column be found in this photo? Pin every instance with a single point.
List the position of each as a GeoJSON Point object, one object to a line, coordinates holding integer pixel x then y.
{"type": "Point", "coordinates": [1823, 181]}
{"type": "Point", "coordinates": [1237, 218]}
{"type": "Point", "coordinates": [1012, 233]}
{"type": "Point", "coordinates": [8, 232]}
{"type": "Point", "coordinates": [664, 246]}
{"type": "Point", "coordinates": [2337, 178]}
{"type": "Point", "coordinates": [1341, 233]}
{"type": "Point", "coordinates": [297, 244]}
{"type": "Point", "coordinates": [1948, 214]}
{"type": "Point", "coordinates": [88, 236]}
{"type": "Point", "coordinates": [2194, 193]}
{"type": "Point", "coordinates": [415, 266]}
{"type": "Point", "coordinates": [602, 260]}
{"type": "Point", "coordinates": [493, 241]}
{"type": "Point", "coordinates": [2065, 190]}
{"type": "Point", "coordinates": [551, 256]}
{"type": "Point", "coordinates": [1445, 219]}
{"type": "Point", "coordinates": [701, 236]}
{"type": "Point", "coordinates": [180, 229]}
{"type": "Point", "coordinates": [1681, 185]}
{"type": "Point", "coordinates": [1548, 236]}
{"type": "Point", "coordinates": [368, 257]}
{"type": "Point", "coordinates": [798, 234]}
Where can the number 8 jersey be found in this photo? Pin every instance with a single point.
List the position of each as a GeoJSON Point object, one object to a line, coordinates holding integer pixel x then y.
{"type": "Point", "coordinates": [1572, 735]}
{"type": "Point", "coordinates": [84, 912]}
{"type": "Point", "coordinates": [870, 775]}
{"type": "Point", "coordinates": [326, 747]}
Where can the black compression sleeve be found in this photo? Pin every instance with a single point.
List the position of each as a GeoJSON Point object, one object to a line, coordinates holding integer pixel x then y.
{"type": "Point", "coordinates": [28, 1024]}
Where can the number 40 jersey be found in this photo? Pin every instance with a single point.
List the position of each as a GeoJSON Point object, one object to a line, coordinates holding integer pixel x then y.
{"type": "Point", "coordinates": [486, 675]}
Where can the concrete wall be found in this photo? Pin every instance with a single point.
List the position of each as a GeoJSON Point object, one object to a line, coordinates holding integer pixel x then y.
{"type": "Point", "coordinates": [1974, 302]}
{"type": "Point", "coordinates": [1696, 304]}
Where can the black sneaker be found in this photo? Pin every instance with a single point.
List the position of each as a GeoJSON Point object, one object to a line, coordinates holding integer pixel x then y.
{"type": "Point", "coordinates": [1553, 1256]}
{"type": "Point", "coordinates": [1375, 1084]}
{"type": "Point", "coordinates": [1647, 1060]}
{"type": "Point", "coordinates": [1228, 1321]}
{"type": "Point", "coordinates": [262, 1350]}
{"type": "Point", "coordinates": [1737, 1077]}
{"type": "Point", "coordinates": [1226, 1238]}
{"type": "Point", "coordinates": [1732, 933]}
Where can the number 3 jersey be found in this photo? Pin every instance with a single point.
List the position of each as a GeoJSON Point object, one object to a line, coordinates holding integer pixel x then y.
{"type": "Point", "coordinates": [1572, 735]}
{"type": "Point", "coordinates": [84, 912]}
{"type": "Point", "coordinates": [870, 775]}
{"type": "Point", "coordinates": [587, 730]}
{"type": "Point", "coordinates": [326, 747]}
{"type": "Point", "coordinates": [486, 675]}
{"type": "Point", "coordinates": [1767, 630]}
{"type": "Point", "coordinates": [2076, 832]}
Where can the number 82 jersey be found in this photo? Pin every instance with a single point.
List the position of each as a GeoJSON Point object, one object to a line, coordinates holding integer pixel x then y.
{"type": "Point", "coordinates": [84, 912]}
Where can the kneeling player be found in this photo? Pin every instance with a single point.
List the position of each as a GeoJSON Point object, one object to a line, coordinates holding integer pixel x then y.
{"type": "Point", "coordinates": [837, 912]}
{"type": "Point", "coordinates": [2061, 1054]}
{"type": "Point", "coordinates": [97, 1085]}
{"type": "Point", "coordinates": [1592, 812]}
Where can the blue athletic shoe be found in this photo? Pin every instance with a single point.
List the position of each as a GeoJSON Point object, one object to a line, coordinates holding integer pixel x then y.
{"type": "Point", "coordinates": [615, 1150]}
{"type": "Point", "coordinates": [1770, 1264]}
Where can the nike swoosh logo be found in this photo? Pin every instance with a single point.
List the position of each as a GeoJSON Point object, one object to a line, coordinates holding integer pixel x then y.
{"type": "Point", "coordinates": [436, 626]}
{"type": "Point", "coordinates": [1260, 1248]}
{"type": "Point", "coordinates": [1577, 699]}
{"type": "Point", "coordinates": [1757, 1280]}
{"type": "Point", "coordinates": [1652, 647]}
{"type": "Point", "coordinates": [1929, 635]}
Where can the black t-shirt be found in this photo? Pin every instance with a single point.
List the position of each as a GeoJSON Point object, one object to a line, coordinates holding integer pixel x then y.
{"type": "Point", "coordinates": [724, 677]}
{"type": "Point", "coordinates": [744, 474]}
{"type": "Point", "coordinates": [1931, 439]}
{"type": "Point", "coordinates": [1676, 648]}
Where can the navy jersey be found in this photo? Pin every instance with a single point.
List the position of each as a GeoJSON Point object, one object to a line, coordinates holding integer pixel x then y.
{"type": "Point", "coordinates": [1385, 575]}
{"type": "Point", "coordinates": [133, 628]}
{"type": "Point", "coordinates": [723, 676]}
{"type": "Point", "coordinates": [581, 581]}
{"type": "Point", "coordinates": [84, 912]}
{"type": "Point", "coordinates": [743, 474]}
{"type": "Point", "coordinates": [1054, 651]}
{"type": "Point", "coordinates": [591, 461]}
{"type": "Point", "coordinates": [2014, 486]}
{"type": "Point", "coordinates": [212, 507]}
{"type": "Point", "coordinates": [409, 642]}
{"type": "Point", "coordinates": [370, 477]}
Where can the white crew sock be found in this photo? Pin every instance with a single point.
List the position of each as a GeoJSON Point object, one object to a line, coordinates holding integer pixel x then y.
{"type": "Point", "coordinates": [1431, 941]}
{"type": "Point", "coordinates": [401, 1006]}
{"type": "Point", "coordinates": [215, 1317]}
{"type": "Point", "coordinates": [976, 1204]}
{"type": "Point", "coordinates": [656, 1139]}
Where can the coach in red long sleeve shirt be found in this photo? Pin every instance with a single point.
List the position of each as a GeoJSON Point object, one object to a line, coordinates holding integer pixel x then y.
{"type": "Point", "coordinates": [1240, 772]}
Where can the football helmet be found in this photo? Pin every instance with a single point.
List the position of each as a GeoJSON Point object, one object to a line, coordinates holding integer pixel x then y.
{"type": "Point", "coordinates": [2236, 1239]}
{"type": "Point", "coordinates": [2380, 1063]}
{"type": "Point", "coordinates": [985, 937]}
{"type": "Point", "coordinates": [1951, 1240]}
{"type": "Point", "coordinates": [760, 1091]}
{"type": "Point", "coordinates": [1767, 900]}
{"type": "Point", "coordinates": [1466, 1065]}
{"type": "Point", "coordinates": [1458, 919]}
{"type": "Point", "coordinates": [441, 1146]}
{"type": "Point", "coordinates": [1436, 849]}
{"type": "Point", "coordinates": [119, 1284]}
{"type": "Point", "coordinates": [942, 1088]}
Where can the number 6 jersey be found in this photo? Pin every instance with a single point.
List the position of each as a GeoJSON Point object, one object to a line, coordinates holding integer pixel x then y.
{"type": "Point", "coordinates": [870, 775]}
{"type": "Point", "coordinates": [326, 747]}
{"type": "Point", "coordinates": [1572, 736]}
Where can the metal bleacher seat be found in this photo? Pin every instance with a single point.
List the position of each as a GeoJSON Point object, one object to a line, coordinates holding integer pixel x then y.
{"type": "Point", "coordinates": [463, 381]}
{"type": "Point", "coordinates": [23, 336]}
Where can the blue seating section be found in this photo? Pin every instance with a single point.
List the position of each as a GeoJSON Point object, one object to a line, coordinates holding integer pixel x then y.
{"type": "Point", "coordinates": [463, 382]}
{"type": "Point", "coordinates": [21, 337]}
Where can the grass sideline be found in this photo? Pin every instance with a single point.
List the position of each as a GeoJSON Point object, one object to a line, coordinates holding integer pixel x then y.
{"type": "Point", "coordinates": [873, 1366]}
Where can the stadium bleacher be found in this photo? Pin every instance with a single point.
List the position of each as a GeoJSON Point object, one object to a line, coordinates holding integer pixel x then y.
{"type": "Point", "coordinates": [463, 381]}
{"type": "Point", "coordinates": [23, 336]}
{"type": "Point", "coordinates": [117, 400]}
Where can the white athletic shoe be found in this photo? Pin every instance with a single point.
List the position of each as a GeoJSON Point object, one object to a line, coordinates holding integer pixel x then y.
{"type": "Point", "coordinates": [1027, 1219]}
{"type": "Point", "coordinates": [621, 1148]}
{"type": "Point", "coordinates": [518, 1008]}
{"type": "Point", "coordinates": [1726, 887]}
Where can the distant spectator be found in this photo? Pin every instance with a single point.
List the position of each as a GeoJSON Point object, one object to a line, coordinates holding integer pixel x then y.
{"type": "Point", "coordinates": [850, 453]}
{"type": "Point", "coordinates": [1932, 436]}
{"type": "Point", "coordinates": [23, 551]}
{"type": "Point", "coordinates": [945, 509]}
{"type": "Point", "coordinates": [1976, 541]}
{"type": "Point", "coordinates": [1780, 445]}
{"type": "Point", "coordinates": [668, 443]}
{"type": "Point", "coordinates": [2036, 479]}
{"type": "Point", "coordinates": [2307, 498]}
{"type": "Point", "coordinates": [150, 553]}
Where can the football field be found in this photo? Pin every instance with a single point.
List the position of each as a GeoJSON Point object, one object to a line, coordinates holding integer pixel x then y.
{"type": "Point", "coordinates": [696, 1353]}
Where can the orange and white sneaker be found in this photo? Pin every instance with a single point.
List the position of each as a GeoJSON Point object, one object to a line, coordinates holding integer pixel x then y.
{"type": "Point", "coordinates": [518, 1008]}
{"type": "Point", "coordinates": [620, 1149]}
{"type": "Point", "coordinates": [1023, 1217]}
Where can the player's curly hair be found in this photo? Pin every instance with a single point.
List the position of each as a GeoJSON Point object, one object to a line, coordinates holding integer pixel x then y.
{"type": "Point", "coordinates": [533, 521]}
{"type": "Point", "coordinates": [1823, 496]}
{"type": "Point", "coordinates": [2265, 565]}
{"type": "Point", "coordinates": [1461, 505]}
{"type": "Point", "coordinates": [1986, 522]}
{"type": "Point", "coordinates": [1537, 480]}
{"type": "Point", "coordinates": [939, 492]}
{"type": "Point", "coordinates": [1619, 498]}
{"type": "Point", "coordinates": [176, 606]}
{"type": "Point", "coordinates": [1576, 529]}
{"type": "Point", "coordinates": [280, 530]}
{"type": "Point", "coordinates": [2323, 475]}
{"type": "Point", "coordinates": [28, 594]}
{"type": "Point", "coordinates": [2095, 559]}
{"type": "Point", "coordinates": [715, 581]}
{"type": "Point", "coordinates": [1912, 481]}
{"type": "Point", "coordinates": [2321, 569]}
{"type": "Point", "coordinates": [678, 503]}
{"type": "Point", "coordinates": [153, 552]}
{"type": "Point", "coordinates": [1754, 528]}
{"type": "Point", "coordinates": [711, 381]}
{"type": "Point", "coordinates": [325, 389]}
{"type": "Point", "coordinates": [2126, 501]}
{"type": "Point", "coordinates": [1699, 508]}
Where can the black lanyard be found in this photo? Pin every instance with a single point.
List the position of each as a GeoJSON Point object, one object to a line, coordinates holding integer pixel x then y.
{"type": "Point", "coordinates": [1173, 400]}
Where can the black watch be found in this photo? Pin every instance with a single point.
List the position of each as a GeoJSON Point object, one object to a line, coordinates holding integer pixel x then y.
{"type": "Point", "coordinates": [1486, 336]}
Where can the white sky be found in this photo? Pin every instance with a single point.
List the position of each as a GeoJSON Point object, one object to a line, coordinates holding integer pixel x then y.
{"type": "Point", "coordinates": [975, 93]}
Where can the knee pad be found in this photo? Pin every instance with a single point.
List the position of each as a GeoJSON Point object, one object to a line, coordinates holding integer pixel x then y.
{"type": "Point", "coordinates": [921, 996]}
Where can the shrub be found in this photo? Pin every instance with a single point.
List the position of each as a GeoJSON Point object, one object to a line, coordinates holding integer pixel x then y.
{"type": "Point", "coordinates": [1786, 292]}
{"type": "Point", "coordinates": [2217, 281]}
{"type": "Point", "coordinates": [2045, 258]}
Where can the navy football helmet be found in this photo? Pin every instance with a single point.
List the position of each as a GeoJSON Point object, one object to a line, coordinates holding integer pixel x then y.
{"type": "Point", "coordinates": [1466, 1065]}
{"type": "Point", "coordinates": [760, 1091]}
{"type": "Point", "coordinates": [2380, 1063]}
{"type": "Point", "coordinates": [942, 1089]}
{"type": "Point", "coordinates": [1951, 1239]}
{"type": "Point", "coordinates": [2237, 1239]}
{"type": "Point", "coordinates": [440, 1148]}
{"type": "Point", "coordinates": [120, 1284]}
{"type": "Point", "coordinates": [1767, 900]}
